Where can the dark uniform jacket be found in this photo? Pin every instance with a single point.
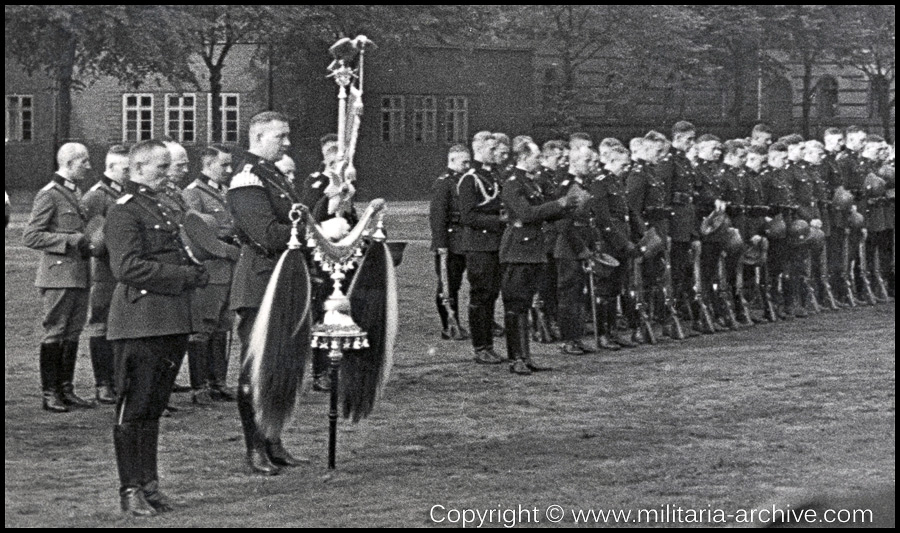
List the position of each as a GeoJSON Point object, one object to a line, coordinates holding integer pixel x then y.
{"type": "Point", "coordinates": [205, 196]}
{"type": "Point", "coordinates": [709, 187]}
{"type": "Point", "coordinates": [575, 237]}
{"type": "Point", "coordinates": [446, 229]}
{"type": "Point", "coordinates": [56, 228]}
{"type": "Point", "coordinates": [834, 178]}
{"type": "Point", "coordinates": [876, 205]}
{"type": "Point", "coordinates": [528, 209]}
{"type": "Point", "coordinates": [755, 200]}
{"type": "Point", "coordinates": [479, 210]}
{"type": "Point", "coordinates": [681, 178]}
{"type": "Point", "coordinates": [820, 194]}
{"type": "Point", "coordinates": [779, 192]}
{"type": "Point", "coordinates": [96, 202]}
{"type": "Point", "coordinates": [854, 169]}
{"type": "Point", "coordinates": [260, 200]}
{"type": "Point", "coordinates": [609, 207]}
{"type": "Point", "coordinates": [887, 172]}
{"type": "Point", "coordinates": [733, 195]}
{"type": "Point", "coordinates": [172, 197]}
{"type": "Point", "coordinates": [548, 182]}
{"type": "Point", "coordinates": [804, 183]}
{"type": "Point", "coordinates": [648, 199]}
{"type": "Point", "coordinates": [155, 277]}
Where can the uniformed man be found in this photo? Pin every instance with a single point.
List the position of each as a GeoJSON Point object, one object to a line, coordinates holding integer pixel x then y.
{"type": "Point", "coordinates": [522, 251]}
{"type": "Point", "coordinates": [757, 211]}
{"type": "Point", "coordinates": [56, 228]}
{"type": "Point", "coordinates": [609, 209]}
{"type": "Point", "coordinates": [678, 172]}
{"type": "Point", "coordinates": [212, 320]}
{"type": "Point", "coordinates": [650, 205]}
{"type": "Point", "coordinates": [710, 190]}
{"type": "Point", "coordinates": [574, 244]}
{"type": "Point", "coordinates": [854, 170]}
{"type": "Point", "coordinates": [578, 140]}
{"type": "Point", "coordinates": [834, 177]}
{"type": "Point", "coordinates": [813, 159]}
{"type": "Point", "coordinates": [446, 237]}
{"type": "Point", "coordinates": [547, 180]}
{"type": "Point", "coordinates": [738, 211]}
{"type": "Point", "coordinates": [480, 214]}
{"type": "Point", "coordinates": [96, 202]}
{"type": "Point", "coordinates": [6, 194]}
{"type": "Point", "coordinates": [503, 163]}
{"type": "Point", "coordinates": [260, 200]}
{"type": "Point", "coordinates": [149, 322]}
{"type": "Point", "coordinates": [779, 193]}
{"type": "Point", "coordinates": [881, 236]}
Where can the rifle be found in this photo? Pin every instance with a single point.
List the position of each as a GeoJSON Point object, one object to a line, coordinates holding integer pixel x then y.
{"type": "Point", "coordinates": [883, 295]}
{"type": "Point", "coordinates": [864, 269]}
{"type": "Point", "coordinates": [724, 294]}
{"type": "Point", "coordinates": [848, 270]}
{"type": "Point", "coordinates": [453, 329]}
{"type": "Point", "coordinates": [542, 331]}
{"type": "Point", "coordinates": [766, 288]}
{"type": "Point", "coordinates": [637, 296]}
{"type": "Point", "coordinates": [826, 285]}
{"type": "Point", "coordinates": [705, 317]}
{"type": "Point", "coordinates": [743, 306]}
{"type": "Point", "coordinates": [593, 294]}
{"type": "Point", "coordinates": [808, 285]}
{"type": "Point", "coordinates": [669, 294]}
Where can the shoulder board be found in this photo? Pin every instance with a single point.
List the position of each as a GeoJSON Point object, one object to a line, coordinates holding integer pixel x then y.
{"type": "Point", "coordinates": [511, 178]}
{"type": "Point", "coordinates": [49, 186]}
{"type": "Point", "coordinates": [842, 155]}
{"type": "Point", "coordinates": [316, 184]}
{"type": "Point", "coordinates": [444, 176]}
{"type": "Point", "coordinates": [193, 185]}
{"type": "Point", "coordinates": [124, 199]}
{"type": "Point", "coordinates": [96, 186]}
{"type": "Point", "coordinates": [564, 184]}
{"type": "Point", "coordinates": [315, 175]}
{"type": "Point", "coordinates": [246, 178]}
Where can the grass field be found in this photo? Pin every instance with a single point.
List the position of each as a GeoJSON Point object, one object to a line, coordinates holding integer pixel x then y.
{"type": "Point", "coordinates": [728, 422]}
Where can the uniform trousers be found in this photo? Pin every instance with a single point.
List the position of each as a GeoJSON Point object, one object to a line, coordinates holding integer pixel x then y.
{"type": "Point", "coordinates": [65, 312]}
{"type": "Point", "coordinates": [570, 290]}
{"type": "Point", "coordinates": [456, 267]}
{"type": "Point", "coordinates": [483, 273]}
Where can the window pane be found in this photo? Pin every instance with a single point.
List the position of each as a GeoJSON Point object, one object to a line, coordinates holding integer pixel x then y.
{"type": "Point", "coordinates": [131, 115]}
{"type": "Point", "coordinates": [188, 115]}
{"type": "Point", "coordinates": [231, 101]}
{"type": "Point", "coordinates": [131, 101]}
{"type": "Point", "coordinates": [230, 115]}
{"type": "Point", "coordinates": [188, 136]}
{"type": "Point", "coordinates": [146, 101]}
{"type": "Point", "coordinates": [189, 101]}
{"type": "Point", "coordinates": [146, 115]}
{"type": "Point", "coordinates": [173, 115]}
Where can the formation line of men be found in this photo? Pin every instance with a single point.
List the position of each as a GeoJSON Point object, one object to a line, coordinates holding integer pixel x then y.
{"type": "Point", "coordinates": [671, 238]}
{"type": "Point", "coordinates": [119, 260]}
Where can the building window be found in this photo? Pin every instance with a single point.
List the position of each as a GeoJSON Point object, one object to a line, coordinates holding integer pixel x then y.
{"type": "Point", "coordinates": [424, 119]}
{"type": "Point", "coordinates": [827, 97]}
{"type": "Point", "coordinates": [229, 104]}
{"type": "Point", "coordinates": [181, 115]}
{"type": "Point", "coordinates": [137, 117]}
{"type": "Point", "coordinates": [456, 119]}
{"type": "Point", "coordinates": [19, 118]}
{"type": "Point", "coordinates": [392, 110]}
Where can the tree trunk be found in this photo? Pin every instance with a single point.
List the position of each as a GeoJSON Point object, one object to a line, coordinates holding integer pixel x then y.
{"type": "Point", "coordinates": [215, 91]}
{"type": "Point", "coordinates": [806, 103]}
{"type": "Point", "coordinates": [64, 74]}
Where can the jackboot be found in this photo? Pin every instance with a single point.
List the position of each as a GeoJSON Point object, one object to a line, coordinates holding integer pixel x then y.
{"type": "Point", "coordinates": [281, 457]}
{"type": "Point", "coordinates": [198, 370]}
{"type": "Point", "coordinates": [50, 362]}
{"type": "Point", "coordinates": [257, 457]}
{"type": "Point", "coordinates": [126, 439]}
{"type": "Point", "coordinates": [525, 346]}
{"type": "Point", "coordinates": [66, 378]}
{"type": "Point", "coordinates": [218, 368]}
{"type": "Point", "coordinates": [149, 443]}
{"type": "Point", "coordinates": [102, 361]}
{"type": "Point", "coordinates": [517, 364]}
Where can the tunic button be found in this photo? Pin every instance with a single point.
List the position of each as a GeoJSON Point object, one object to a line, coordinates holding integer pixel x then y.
{"type": "Point", "coordinates": [143, 291]}
{"type": "Point", "coordinates": [526, 239]}
{"type": "Point", "coordinates": [59, 262]}
{"type": "Point", "coordinates": [484, 231]}
{"type": "Point", "coordinates": [156, 226]}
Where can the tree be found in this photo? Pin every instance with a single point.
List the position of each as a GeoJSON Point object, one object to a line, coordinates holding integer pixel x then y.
{"type": "Point", "coordinates": [76, 44]}
{"type": "Point", "coordinates": [636, 43]}
{"type": "Point", "coordinates": [865, 40]}
{"type": "Point", "coordinates": [805, 33]}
